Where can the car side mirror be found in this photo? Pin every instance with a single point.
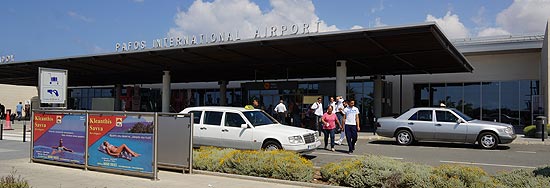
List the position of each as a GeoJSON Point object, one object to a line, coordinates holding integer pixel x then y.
{"type": "Point", "coordinates": [244, 126]}
{"type": "Point", "coordinates": [458, 121]}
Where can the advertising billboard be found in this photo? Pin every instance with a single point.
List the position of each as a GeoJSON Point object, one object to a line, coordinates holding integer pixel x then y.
{"type": "Point", "coordinates": [121, 142]}
{"type": "Point", "coordinates": [59, 137]}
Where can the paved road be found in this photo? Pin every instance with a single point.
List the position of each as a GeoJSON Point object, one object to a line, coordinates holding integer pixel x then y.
{"type": "Point", "coordinates": [507, 157]}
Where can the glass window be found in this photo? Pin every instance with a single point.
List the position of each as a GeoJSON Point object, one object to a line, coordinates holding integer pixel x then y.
{"type": "Point", "coordinates": [422, 115]}
{"type": "Point", "coordinates": [213, 118]}
{"type": "Point", "coordinates": [490, 101]}
{"type": "Point", "coordinates": [421, 95]}
{"type": "Point", "coordinates": [445, 116]}
{"type": "Point", "coordinates": [258, 118]}
{"type": "Point", "coordinates": [454, 96]}
{"type": "Point", "coordinates": [233, 120]}
{"type": "Point", "coordinates": [472, 99]}
{"type": "Point", "coordinates": [438, 94]}
{"type": "Point", "coordinates": [196, 116]}
{"type": "Point", "coordinates": [107, 93]}
{"type": "Point", "coordinates": [509, 103]}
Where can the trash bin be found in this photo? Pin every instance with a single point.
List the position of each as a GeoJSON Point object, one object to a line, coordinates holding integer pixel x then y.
{"type": "Point", "coordinates": [540, 127]}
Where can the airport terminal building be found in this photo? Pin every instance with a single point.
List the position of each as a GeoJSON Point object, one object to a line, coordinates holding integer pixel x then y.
{"type": "Point", "coordinates": [386, 70]}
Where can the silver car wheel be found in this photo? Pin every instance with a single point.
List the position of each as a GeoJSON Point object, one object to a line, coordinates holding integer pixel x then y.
{"type": "Point", "coordinates": [404, 137]}
{"type": "Point", "coordinates": [488, 141]}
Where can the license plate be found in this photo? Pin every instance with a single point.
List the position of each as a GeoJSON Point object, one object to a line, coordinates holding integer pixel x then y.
{"type": "Point", "coordinates": [311, 146]}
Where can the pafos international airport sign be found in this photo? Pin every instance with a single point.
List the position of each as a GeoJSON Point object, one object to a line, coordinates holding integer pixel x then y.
{"type": "Point", "coordinates": [168, 42]}
{"type": "Point", "coordinates": [7, 58]}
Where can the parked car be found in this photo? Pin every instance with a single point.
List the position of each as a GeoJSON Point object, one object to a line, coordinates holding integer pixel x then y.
{"type": "Point", "coordinates": [444, 124]}
{"type": "Point", "coordinates": [242, 128]}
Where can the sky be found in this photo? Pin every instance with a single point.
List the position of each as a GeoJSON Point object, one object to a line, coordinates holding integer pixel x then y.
{"type": "Point", "coordinates": [37, 30]}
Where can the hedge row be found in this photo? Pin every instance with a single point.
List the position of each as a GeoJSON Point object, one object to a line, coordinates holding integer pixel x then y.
{"type": "Point", "coordinates": [376, 171]}
{"type": "Point", "coordinates": [279, 164]}
{"type": "Point", "coordinates": [530, 130]}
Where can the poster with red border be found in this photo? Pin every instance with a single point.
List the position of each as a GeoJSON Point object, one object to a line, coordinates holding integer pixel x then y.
{"type": "Point", "coordinates": [121, 142]}
{"type": "Point", "coordinates": [59, 137]}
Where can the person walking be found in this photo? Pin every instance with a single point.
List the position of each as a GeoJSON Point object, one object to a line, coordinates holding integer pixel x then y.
{"type": "Point", "coordinates": [280, 109]}
{"type": "Point", "coordinates": [318, 111]}
{"type": "Point", "coordinates": [329, 126]}
{"type": "Point", "coordinates": [19, 109]}
{"type": "Point", "coordinates": [351, 119]}
{"type": "Point", "coordinates": [340, 105]}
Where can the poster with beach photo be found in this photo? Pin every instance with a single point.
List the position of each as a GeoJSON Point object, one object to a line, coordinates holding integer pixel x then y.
{"type": "Point", "coordinates": [121, 142]}
{"type": "Point", "coordinates": [59, 137]}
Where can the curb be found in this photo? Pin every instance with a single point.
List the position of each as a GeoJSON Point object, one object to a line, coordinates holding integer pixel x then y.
{"type": "Point", "coordinates": [262, 179]}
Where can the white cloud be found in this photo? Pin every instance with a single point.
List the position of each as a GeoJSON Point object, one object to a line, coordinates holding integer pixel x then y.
{"type": "Point", "coordinates": [378, 22]}
{"type": "Point", "coordinates": [525, 16]}
{"type": "Point", "coordinates": [451, 25]}
{"type": "Point", "coordinates": [79, 17]}
{"type": "Point", "coordinates": [479, 19]}
{"type": "Point", "coordinates": [379, 8]}
{"type": "Point", "coordinates": [492, 31]}
{"type": "Point", "coordinates": [357, 27]}
{"type": "Point", "coordinates": [244, 16]}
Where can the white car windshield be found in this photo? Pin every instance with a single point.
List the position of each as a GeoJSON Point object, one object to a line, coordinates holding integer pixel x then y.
{"type": "Point", "coordinates": [463, 116]}
{"type": "Point", "coordinates": [258, 118]}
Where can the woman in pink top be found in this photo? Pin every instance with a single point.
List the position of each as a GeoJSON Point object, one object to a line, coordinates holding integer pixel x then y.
{"type": "Point", "coordinates": [329, 124]}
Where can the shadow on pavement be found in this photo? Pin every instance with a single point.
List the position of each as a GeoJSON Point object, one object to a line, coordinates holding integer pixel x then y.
{"type": "Point", "coordinates": [439, 145]}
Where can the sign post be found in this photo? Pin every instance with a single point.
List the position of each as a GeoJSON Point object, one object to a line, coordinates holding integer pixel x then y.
{"type": "Point", "coordinates": [52, 85]}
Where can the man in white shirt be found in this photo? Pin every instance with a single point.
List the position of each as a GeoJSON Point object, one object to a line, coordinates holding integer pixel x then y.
{"type": "Point", "coordinates": [280, 109]}
{"type": "Point", "coordinates": [318, 107]}
{"type": "Point", "coordinates": [351, 119]}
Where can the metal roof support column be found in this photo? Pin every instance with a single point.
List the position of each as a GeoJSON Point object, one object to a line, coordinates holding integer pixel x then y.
{"type": "Point", "coordinates": [378, 96]}
{"type": "Point", "coordinates": [166, 91]}
{"type": "Point", "coordinates": [223, 89]}
{"type": "Point", "coordinates": [545, 70]}
{"type": "Point", "coordinates": [341, 75]}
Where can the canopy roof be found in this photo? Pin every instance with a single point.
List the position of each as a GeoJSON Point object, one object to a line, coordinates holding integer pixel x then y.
{"type": "Point", "coordinates": [410, 49]}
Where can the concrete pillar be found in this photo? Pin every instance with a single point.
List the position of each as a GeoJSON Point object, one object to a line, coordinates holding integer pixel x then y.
{"type": "Point", "coordinates": [545, 86]}
{"type": "Point", "coordinates": [223, 89]}
{"type": "Point", "coordinates": [118, 93]}
{"type": "Point", "coordinates": [378, 96]}
{"type": "Point", "coordinates": [341, 75]}
{"type": "Point", "coordinates": [166, 92]}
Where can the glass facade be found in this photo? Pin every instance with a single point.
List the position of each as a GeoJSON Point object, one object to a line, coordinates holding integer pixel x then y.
{"type": "Point", "coordinates": [81, 98]}
{"type": "Point", "coordinates": [508, 102]}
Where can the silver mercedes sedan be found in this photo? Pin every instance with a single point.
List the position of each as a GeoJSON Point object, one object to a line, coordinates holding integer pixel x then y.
{"type": "Point", "coordinates": [444, 124]}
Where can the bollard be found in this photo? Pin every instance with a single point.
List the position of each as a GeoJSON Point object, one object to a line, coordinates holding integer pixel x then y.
{"type": "Point", "coordinates": [24, 131]}
{"type": "Point", "coordinates": [540, 126]}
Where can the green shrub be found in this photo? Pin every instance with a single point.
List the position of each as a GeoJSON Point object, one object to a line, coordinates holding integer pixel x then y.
{"type": "Point", "coordinates": [376, 171]}
{"type": "Point", "coordinates": [278, 164]}
{"type": "Point", "coordinates": [530, 130]}
{"type": "Point", "coordinates": [542, 171]}
{"type": "Point", "coordinates": [521, 178]}
{"type": "Point", "coordinates": [460, 176]}
{"type": "Point", "coordinates": [13, 181]}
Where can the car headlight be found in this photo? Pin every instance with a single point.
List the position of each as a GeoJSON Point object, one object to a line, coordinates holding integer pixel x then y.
{"type": "Point", "coordinates": [295, 139]}
{"type": "Point", "coordinates": [508, 130]}
{"type": "Point", "coordinates": [316, 137]}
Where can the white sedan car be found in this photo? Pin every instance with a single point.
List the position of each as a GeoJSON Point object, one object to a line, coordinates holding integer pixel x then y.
{"type": "Point", "coordinates": [241, 128]}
